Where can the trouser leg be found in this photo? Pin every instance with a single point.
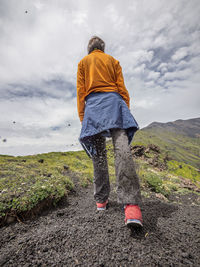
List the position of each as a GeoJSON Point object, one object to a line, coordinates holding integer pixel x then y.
{"type": "Point", "coordinates": [101, 175]}
{"type": "Point", "coordinates": [128, 187]}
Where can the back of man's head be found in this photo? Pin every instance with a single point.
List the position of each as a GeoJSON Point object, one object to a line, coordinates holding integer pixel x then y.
{"type": "Point", "coordinates": [95, 43]}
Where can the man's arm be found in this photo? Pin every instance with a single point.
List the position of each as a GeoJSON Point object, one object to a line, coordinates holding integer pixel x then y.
{"type": "Point", "coordinates": [80, 91]}
{"type": "Point", "coordinates": [120, 84]}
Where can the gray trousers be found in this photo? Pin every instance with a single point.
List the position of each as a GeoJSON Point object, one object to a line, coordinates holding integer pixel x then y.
{"type": "Point", "coordinates": [128, 187]}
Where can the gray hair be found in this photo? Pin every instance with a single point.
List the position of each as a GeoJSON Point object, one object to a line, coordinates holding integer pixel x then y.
{"type": "Point", "coordinates": [95, 42]}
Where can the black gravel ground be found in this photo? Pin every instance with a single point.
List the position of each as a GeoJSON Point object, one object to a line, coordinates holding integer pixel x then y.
{"type": "Point", "coordinates": [78, 235]}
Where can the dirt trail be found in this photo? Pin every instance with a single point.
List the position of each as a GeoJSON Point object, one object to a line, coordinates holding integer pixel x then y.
{"type": "Point", "coordinates": [78, 235]}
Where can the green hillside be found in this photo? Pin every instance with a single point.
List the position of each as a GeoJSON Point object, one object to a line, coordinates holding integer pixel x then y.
{"type": "Point", "coordinates": [183, 146]}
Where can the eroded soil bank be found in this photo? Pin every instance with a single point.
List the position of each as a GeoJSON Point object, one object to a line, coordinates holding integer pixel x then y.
{"type": "Point", "coordinates": [78, 235]}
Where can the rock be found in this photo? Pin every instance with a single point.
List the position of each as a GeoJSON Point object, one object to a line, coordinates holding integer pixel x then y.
{"type": "Point", "coordinates": [45, 249]}
{"type": "Point", "coordinates": [10, 219]}
{"type": "Point", "coordinates": [154, 148]}
{"type": "Point", "coordinates": [161, 197]}
{"type": "Point", "coordinates": [66, 167]}
{"type": "Point", "coordinates": [138, 151]}
{"type": "Point", "coordinates": [60, 213]}
{"type": "Point", "coordinates": [167, 158]}
{"type": "Point", "coordinates": [189, 185]}
{"type": "Point", "coordinates": [151, 154]}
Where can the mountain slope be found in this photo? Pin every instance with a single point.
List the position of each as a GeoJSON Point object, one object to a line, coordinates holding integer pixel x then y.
{"type": "Point", "coordinates": [181, 139]}
{"type": "Point", "coordinates": [189, 127]}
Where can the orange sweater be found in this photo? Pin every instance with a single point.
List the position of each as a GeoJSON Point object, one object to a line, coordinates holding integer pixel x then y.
{"type": "Point", "coordinates": [99, 72]}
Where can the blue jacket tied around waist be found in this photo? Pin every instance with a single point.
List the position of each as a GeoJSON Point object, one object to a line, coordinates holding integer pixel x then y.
{"type": "Point", "coordinates": [105, 111]}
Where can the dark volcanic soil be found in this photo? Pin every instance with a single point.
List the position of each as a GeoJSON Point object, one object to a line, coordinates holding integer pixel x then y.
{"type": "Point", "coordinates": [78, 235]}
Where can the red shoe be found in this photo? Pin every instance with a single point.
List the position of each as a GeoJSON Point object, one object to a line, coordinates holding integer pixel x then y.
{"type": "Point", "coordinates": [133, 215]}
{"type": "Point", "coordinates": [102, 206]}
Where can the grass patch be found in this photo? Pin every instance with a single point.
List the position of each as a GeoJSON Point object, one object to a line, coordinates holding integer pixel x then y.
{"type": "Point", "coordinates": [167, 181]}
{"type": "Point", "coordinates": [184, 170]}
{"type": "Point", "coordinates": [26, 181]}
{"type": "Point", "coordinates": [156, 184]}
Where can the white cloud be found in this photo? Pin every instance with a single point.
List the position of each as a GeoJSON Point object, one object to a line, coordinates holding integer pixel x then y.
{"type": "Point", "coordinates": [182, 74]}
{"type": "Point", "coordinates": [153, 75]}
{"type": "Point", "coordinates": [163, 67]}
{"type": "Point", "coordinates": [180, 54]}
{"type": "Point", "coordinates": [137, 70]}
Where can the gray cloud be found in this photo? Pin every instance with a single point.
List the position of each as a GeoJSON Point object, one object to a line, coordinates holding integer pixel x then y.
{"type": "Point", "coordinates": [54, 88]}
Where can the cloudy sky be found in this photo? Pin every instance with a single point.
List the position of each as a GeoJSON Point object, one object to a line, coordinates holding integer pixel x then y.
{"type": "Point", "coordinates": [41, 42]}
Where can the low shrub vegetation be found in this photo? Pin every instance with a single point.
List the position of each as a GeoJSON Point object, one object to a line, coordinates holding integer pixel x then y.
{"type": "Point", "coordinates": [24, 182]}
{"type": "Point", "coordinates": [184, 170]}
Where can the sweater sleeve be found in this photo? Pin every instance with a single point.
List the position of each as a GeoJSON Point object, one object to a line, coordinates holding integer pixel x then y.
{"type": "Point", "coordinates": [80, 91]}
{"type": "Point", "coordinates": [120, 84]}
